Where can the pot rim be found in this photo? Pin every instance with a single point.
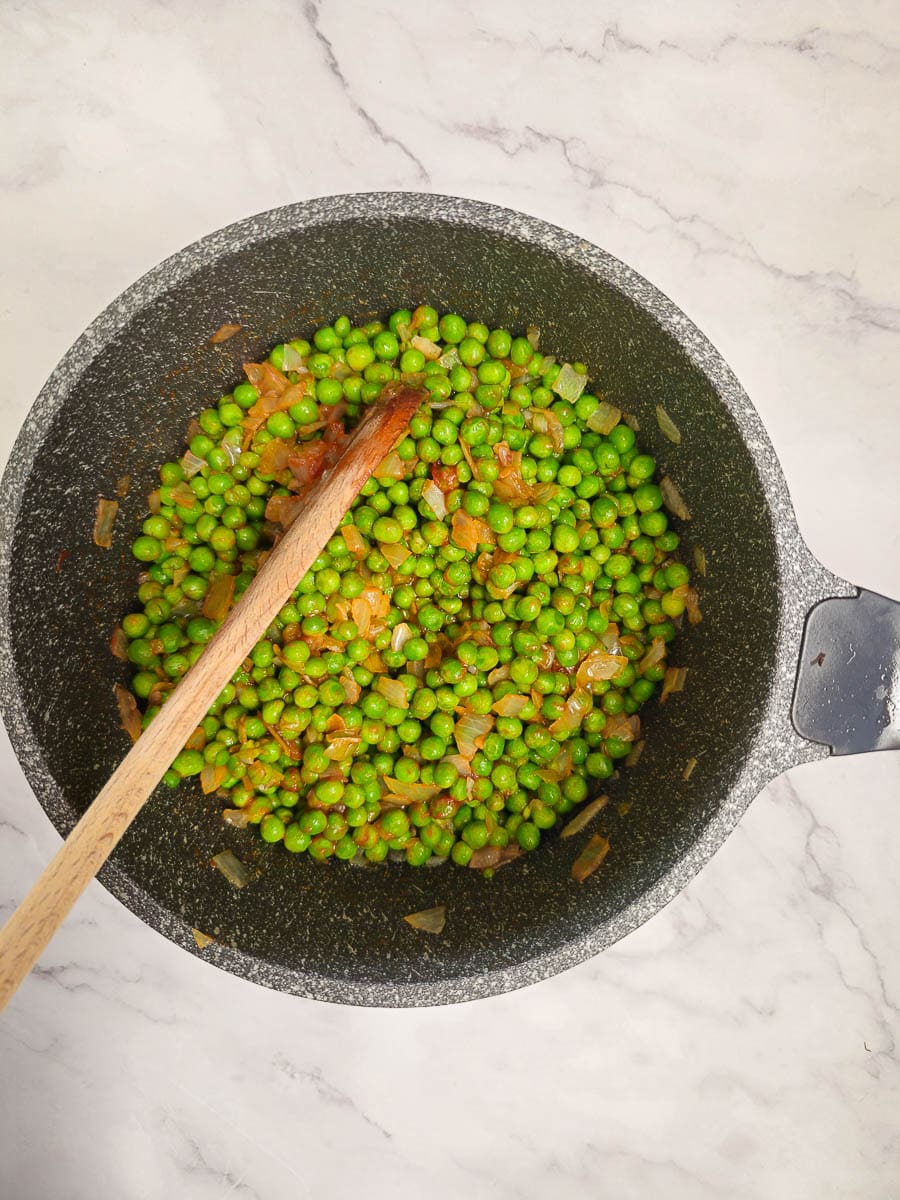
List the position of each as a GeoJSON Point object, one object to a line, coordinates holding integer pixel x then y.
{"type": "Point", "coordinates": [803, 581]}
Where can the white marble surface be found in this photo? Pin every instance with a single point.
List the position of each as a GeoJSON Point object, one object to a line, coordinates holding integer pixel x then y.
{"type": "Point", "coordinates": [742, 1044]}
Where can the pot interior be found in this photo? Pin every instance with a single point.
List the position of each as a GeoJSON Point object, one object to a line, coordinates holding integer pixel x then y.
{"type": "Point", "coordinates": [128, 412]}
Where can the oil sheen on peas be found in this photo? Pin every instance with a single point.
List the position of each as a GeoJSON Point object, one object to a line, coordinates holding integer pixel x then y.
{"type": "Point", "coordinates": [347, 732]}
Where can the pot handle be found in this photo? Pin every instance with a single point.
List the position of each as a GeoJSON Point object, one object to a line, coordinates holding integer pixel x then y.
{"type": "Point", "coordinates": [847, 694]}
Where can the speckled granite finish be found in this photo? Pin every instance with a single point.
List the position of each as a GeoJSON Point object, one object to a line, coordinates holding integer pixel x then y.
{"type": "Point", "coordinates": [118, 403]}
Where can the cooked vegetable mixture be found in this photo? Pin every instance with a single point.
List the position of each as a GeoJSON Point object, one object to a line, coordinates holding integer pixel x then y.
{"type": "Point", "coordinates": [467, 658]}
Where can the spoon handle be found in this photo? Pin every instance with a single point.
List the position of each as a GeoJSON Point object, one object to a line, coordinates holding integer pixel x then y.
{"type": "Point", "coordinates": [46, 905]}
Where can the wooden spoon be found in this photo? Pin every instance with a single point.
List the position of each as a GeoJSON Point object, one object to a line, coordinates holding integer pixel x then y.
{"type": "Point", "coordinates": [93, 839]}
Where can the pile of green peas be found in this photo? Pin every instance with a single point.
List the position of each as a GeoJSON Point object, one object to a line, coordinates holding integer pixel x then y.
{"type": "Point", "coordinates": [587, 547]}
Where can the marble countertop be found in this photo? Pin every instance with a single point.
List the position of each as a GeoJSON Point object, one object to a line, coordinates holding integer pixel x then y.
{"type": "Point", "coordinates": [742, 1044]}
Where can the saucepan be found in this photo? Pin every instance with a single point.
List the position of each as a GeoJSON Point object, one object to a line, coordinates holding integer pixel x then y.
{"type": "Point", "coordinates": [791, 663]}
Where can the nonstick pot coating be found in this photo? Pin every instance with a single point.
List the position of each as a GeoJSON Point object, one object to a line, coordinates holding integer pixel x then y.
{"type": "Point", "coordinates": [119, 405]}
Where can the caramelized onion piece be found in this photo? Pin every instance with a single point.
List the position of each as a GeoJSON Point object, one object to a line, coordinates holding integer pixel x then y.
{"type": "Point", "coordinates": [429, 920]}
{"type": "Point", "coordinates": [673, 682]}
{"type": "Point", "coordinates": [219, 598]}
{"type": "Point", "coordinates": [104, 517]}
{"type": "Point", "coordinates": [223, 333]}
{"type": "Point", "coordinates": [604, 418]}
{"type": "Point", "coordinates": [673, 499]}
{"type": "Point", "coordinates": [584, 816]}
{"type": "Point", "coordinates": [237, 873]}
{"type": "Point", "coordinates": [129, 713]}
{"type": "Point", "coordinates": [590, 858]}
{"type": "Point", "coordinates": [667, 425]}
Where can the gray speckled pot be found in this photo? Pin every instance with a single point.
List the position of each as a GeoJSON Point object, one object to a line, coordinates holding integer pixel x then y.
{"type": "Point", "coordinates": [118, 404]}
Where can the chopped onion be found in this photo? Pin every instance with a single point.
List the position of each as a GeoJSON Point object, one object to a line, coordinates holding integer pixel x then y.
{"type": "Point", "coordinates": [236, 872]}
{"type": "Point", "coordinates": [598, 665]}
{"type": "Point", "coordinates": [667, 425]}
{"type": "Point", "coordinates": [197, 740]}
{"type": "Point", "coordinates": [352, 690]}
{"type": "Point", "coordinates": [377, 601]}
{"type": "Point", "coordinates": [123, 486]}
{"type": "Point", "coordinates": [211, 777]}
{"type": "Point", "coordinates": [622, 726]}
{"type": "Point", "coordinates": [362, 615]}
{"type": "Point", "coordinates": [191, 464]}
{"type": "Point", "coordinates": [446, 478]}
{"type": "Point", "coordinates": [700, 559]}
{"type": "Point", "coordinates": [578, 705]}
{"type": "Point", "coordinates": [184, 496]}
{"type": "Point", "coordinates": [470, 731]}
{"type": "Point", "coordinates": [478, 632]}
{"type": "Point", "coordinates": [511, 705]}
{"type": "Point", "coordinates": [493, 856]}
{"type": "Point", "coordinates": [590, 858]}
{"type": "Point", "coordinates": [292, 359]}
{"type": "Point", "coordinates": [470, 532]}
{"type": "Point", "coordinates": [569, 383]}
{"type": "Point", "coordinates": [395, 552]}
{"type": "Point", "coordinates": [692, 606]}
{"type": "Point", "coordinates": [533, 334]}
{"type": "Point", "coordinates": [154, 502]}
{"type": "Point", "coordinates": [202, 939]}
{"type": "Point", "coordinates": [118, 644]}
{"type": "Point", "coordinates": [563, 762]}
{"type": "Point", "coordinates": [375, 664]}
{"type": "Point", "coordinates": [429, 920]}
{"type": "Point", "coordinates": [584, 816]}
{"type": "Point", "coordinates": [401, 793]}
{"type": "Point", "coordinates": [543, 420]}
{"type": "Point", "coordinates": [509, 460]}
{"type": "Point", "coordinates": [434, 498]}
{"type": "Point", "coordinates": [631, 421]}
{"type": "Point", "coordinates": [673, 499]}
{"type": "Point", "coordinates": [654, 655]}
{"type": "Point", "coordinates": [636, 751]}
{"type": "Point", "coordinates": [283, 510]}
{"type": "Point", "coordinates": [223, 333]}
{"type": "Point", "coordinates": [673, 682]}
{"type": "Point", "coordinates": [400, 636]}
{"type": "Point", "coordinates": [341, 748]}
{"type": "Point", "coordinates": [549, 776]}
{"type": "Point", "coordinates": [354, 541]}
{"type": "Point", "coordinates": [391, 466]}
{"type": "Point", "coordinates": [265, 377]}
{"type": "Point", "coordinates": [610, 636]}
{"type": "Point", "coordinates": [463, 766]}
{"type": "Point", "coordinates": [393, 690]}
{"type": "Point", "coordinates": [688, 769]}
{"type": "Point", "coordinates": [498, 675]}
{"type": "Point", "coordinates": [218, 599]}
{"type": "Point", "coordinates": [129, 714]}
{"type": "Point", "coordinates": [604, 418]}
{"type": "Point", "coordinates": [159, 691]}
{"type": "Point", "coordinates": [450, 358]}
{"type": "Point", "coordinates": [512, 488]}
{"type": "Point", "coordinates": [231, 444]}
{"type": "Point", "coordinates": [238, 817]}
{"type": "Point", "coordinates": [309, 460]}
{"type": "Point", "coordinates": [274, 456]}
{"type": "Point", "coordinates": [336, 725]}
{"type": "Point", "coordinates": [427, 347]}
{"type": "Point", "coordinates": [103, 522]}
